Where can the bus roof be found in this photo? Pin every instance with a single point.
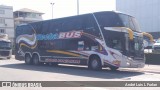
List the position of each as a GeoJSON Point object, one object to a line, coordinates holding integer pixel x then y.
{"type": "Point", "coordinates": [116, 12]}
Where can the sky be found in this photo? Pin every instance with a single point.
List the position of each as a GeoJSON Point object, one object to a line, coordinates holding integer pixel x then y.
{"type": "Point", "coordinates": [61, 8]}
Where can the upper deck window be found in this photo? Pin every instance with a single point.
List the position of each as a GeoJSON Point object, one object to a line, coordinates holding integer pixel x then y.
{"type": "Point", "coordinates": [137, 27]}
{"type": "Point", "coordinates": [129, 22]}
{"type": "Point", "coordinates": [108, 19]}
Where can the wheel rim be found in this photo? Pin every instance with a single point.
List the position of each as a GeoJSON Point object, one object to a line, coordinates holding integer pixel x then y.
{"type": "Point", "coordinates": [94, 64]}
{"type": "Point", "coordinates": [28, 59]}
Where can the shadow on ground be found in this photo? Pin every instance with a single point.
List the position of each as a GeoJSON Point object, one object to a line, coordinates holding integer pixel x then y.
{"type": "Point", "coordinates": [76, 70]}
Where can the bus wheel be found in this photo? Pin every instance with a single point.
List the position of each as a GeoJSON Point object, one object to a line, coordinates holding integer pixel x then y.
{"type": "Point", "coordinates": [28, 59]}
{"type": "Point", "coordinates": [95, 63]}
{"type": "Point", "coordinates": [36, 60]}
{"type": "Point", "coordinates": [113, 68]}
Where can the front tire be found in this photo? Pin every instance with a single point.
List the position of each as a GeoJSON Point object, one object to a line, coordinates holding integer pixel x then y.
{"type": "Point", "coordinates": [36, 60]}
{"type": "Point", "coordinates": [95, 63]}
{"type": "Point", "coordinates": [113, 68]}
{"type": "Point", "coordinates": [28, 59]}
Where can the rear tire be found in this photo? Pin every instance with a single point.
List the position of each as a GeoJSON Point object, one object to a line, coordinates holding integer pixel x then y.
{"type": "Point", "coordinates": [36, 60]}
{"type": "Point", "coordinates": [113, 68]}
{"type": "Point", "coordinates": [28, 59]}
{"type": "Point", "coordinates": [95, 63]}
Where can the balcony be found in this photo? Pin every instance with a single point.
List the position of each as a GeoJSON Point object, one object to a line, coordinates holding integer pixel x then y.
{"type": "Point", "coordinates": [27, 16]}
{"type": "Point", "coordinates": [27, 19]}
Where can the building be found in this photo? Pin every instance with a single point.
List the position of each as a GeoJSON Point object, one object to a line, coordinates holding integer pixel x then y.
{"type": "Point", "coordinates": [25, 15]}
{"type": "Point", "coordinates": [7, 21]}
{"type": "Point", "coordinates": [146, 12]}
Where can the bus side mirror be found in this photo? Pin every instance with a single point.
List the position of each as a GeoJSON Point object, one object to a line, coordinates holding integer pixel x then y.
{"type": "Point", "coordinates": [149, 36]}
{"type": "Point", "coordinates": [130, 32]}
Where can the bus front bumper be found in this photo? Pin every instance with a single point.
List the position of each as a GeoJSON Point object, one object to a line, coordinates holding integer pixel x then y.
{"type": "Point", "coordinates": [134, 64]}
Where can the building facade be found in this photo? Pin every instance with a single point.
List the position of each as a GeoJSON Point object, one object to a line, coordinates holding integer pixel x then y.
{"type": "Point", "coordinates": [7, 21]}
{"type": "Point", "coordinates": [145, 11]}
{"type": "Point", "coordinates": [25, 15]}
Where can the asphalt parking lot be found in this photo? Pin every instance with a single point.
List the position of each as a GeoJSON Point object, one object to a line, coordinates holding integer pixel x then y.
{"type": "Point", "coordinates": [14, 70]}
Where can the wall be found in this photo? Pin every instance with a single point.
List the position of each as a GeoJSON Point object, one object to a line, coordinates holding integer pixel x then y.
{"type": "Point", "coordinates": [146, 11]}
{"type": "Point", "coordinates": [9, 23]}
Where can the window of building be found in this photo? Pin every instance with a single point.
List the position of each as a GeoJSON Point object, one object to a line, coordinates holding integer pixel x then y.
{"type": "Point", "coordinates": [2, 11]}
{"type": "Point", "coordinates": [33, 15]}
{"type": "Point", "coordinates": [2, 21]}
{"type": "Point", "coordinates": [2, 30]}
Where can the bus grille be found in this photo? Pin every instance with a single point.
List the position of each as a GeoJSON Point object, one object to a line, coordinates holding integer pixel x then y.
{"type": "Point", "coordinates": [4, 53]}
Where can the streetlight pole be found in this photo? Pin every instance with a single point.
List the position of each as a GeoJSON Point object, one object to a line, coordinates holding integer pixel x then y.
{"type": "Point", "coordinates": [77, 7]}
{"type": "Point", "coordinates": [52, 9]}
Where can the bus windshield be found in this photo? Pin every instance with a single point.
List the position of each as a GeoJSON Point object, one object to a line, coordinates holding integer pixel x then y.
{"type": "Point", "coordinates": [129, 22]}
{"type": "Point", "coordinates": [120, 40]}
{"type": "Point", "coordinates": [115, 40]}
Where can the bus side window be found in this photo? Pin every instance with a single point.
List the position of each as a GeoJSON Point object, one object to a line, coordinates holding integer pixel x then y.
{"type": "Point", "coordinates": [45, 27]}
{"type": "Point", "coordinates": [90, 44]}
{"type": "Point", "coordinates": [56, 26]}
{"type": "Point", "coordinates": [73, 23]}
{"type": "Point", "coordinates": [90, 26]}
{"type": "Point", "coordinates": [116, 44]}
{"type": "Point", "coordinates": [80, 45]}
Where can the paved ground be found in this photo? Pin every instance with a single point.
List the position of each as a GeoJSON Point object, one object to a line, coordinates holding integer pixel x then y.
{"type": "Point", "coordinates": [13, 70]}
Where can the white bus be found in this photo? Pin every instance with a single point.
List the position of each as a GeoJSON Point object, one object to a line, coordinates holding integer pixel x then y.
{"type": "Point", "coordinates": [102, 39]}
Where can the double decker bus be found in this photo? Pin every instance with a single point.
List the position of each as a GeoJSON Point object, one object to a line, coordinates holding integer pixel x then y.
{"type": "Point", "coordinates": [101, 39]}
